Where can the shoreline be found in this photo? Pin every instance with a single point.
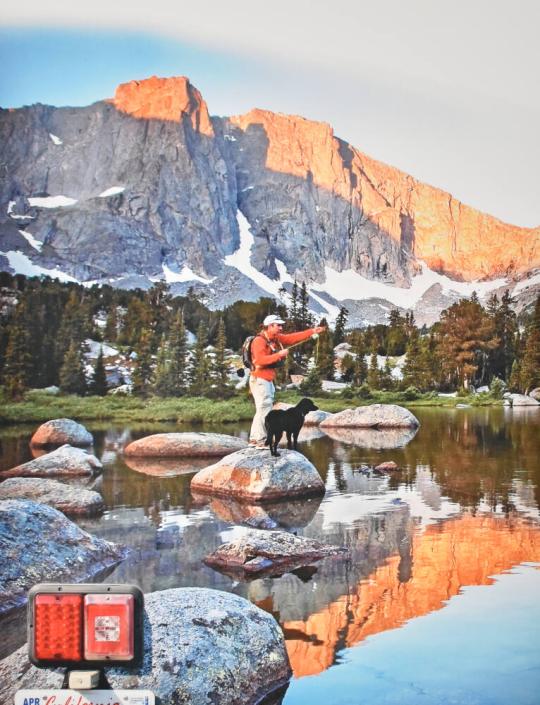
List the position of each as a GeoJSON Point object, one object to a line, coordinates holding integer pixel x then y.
{"type": "Point", "coordinates": [38, 406]}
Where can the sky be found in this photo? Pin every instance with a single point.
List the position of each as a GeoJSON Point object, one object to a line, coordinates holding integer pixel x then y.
{"type": "Point", "coordinates": [448, 92]}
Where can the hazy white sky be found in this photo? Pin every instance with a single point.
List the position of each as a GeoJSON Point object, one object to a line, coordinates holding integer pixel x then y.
{"type": "Point", "coordinates": [448, 92]}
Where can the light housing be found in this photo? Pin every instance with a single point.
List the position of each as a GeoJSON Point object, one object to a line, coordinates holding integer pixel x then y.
{"type": "Point", "coordinates": [85, 625]}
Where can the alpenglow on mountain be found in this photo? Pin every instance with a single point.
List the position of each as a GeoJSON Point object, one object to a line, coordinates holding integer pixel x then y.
{"type": "Point", "coordinates": [148, 186]}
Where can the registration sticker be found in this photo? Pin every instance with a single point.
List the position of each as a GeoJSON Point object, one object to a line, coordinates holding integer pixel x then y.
{"type": "Point", "coordinates": [84, 697]}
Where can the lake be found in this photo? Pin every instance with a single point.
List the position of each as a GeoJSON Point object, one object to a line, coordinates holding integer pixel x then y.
{"type": "Point", "coordinates": [440, 599]}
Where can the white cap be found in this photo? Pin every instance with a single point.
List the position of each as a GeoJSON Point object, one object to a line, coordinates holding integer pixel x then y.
{"type": "Point", "coordinates": [272, 319]}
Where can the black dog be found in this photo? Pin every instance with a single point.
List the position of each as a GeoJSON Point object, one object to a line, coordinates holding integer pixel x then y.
{"type": "Point", "coordinates": [289, 421]}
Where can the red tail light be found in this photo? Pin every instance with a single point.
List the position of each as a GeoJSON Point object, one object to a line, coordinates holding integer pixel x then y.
{"type": "Point", "coordinates": [58, 627]}
{"type": "Point", "coordinates": [90, 624]}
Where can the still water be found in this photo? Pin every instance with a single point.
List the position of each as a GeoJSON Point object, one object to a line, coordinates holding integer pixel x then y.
{"type": "Point", "coordinates": [440, 599]}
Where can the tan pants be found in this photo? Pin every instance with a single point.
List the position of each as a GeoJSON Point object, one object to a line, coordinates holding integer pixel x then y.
{"type": "Point", "coordinates": [263, 395]}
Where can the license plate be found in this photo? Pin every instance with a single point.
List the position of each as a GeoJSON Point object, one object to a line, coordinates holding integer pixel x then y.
{"type": "Point", "coordinates": [84, 697]}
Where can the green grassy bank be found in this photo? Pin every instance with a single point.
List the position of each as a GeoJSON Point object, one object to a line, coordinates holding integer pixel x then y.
{"type": "Point", "coordinates": [39, 407]}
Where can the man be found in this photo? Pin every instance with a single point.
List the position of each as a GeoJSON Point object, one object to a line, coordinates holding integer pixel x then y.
{"type": "Point", "coordinates": [267, 352]}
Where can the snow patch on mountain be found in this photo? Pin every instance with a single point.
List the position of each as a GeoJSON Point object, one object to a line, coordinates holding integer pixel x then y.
{"type": "Point", "coordinates": [524, 283]}
{"type": "Point", "coordinates": [348, 284]}
{"type": "Point", "coordinates": [16, 216]}
{"type": "Point", "coordinates": [113, 191]}
{"type": "Point", "coordinates": [21, 264]}
{"type": "Point", "coordinates": [51, 201]}
{"type": "Point", "coordinates": [241, 260]}
{"type": "Point", "coordinates": [185, 275]}
{"type": "Point", "coordinates": [55, 139]}
{"type": "Point", "coordinates": [36, 244]}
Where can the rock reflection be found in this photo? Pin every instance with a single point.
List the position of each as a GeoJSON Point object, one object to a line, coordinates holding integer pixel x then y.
{"type": "Point", "coordinates": [165, 467]}
{"type": "Point", "coordinates": [438, 563]}
{"type": "Point", "coordinates": [372, 438]}
{"type": "Point", "coordinates": [270, 515]}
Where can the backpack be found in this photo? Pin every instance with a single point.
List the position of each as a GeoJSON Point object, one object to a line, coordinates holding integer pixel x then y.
{"type": "Point", "coordinates": [246, 354]}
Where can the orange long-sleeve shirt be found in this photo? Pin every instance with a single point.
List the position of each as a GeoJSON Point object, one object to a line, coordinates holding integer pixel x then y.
{"type": "Point", "coordinates": [262, 355]}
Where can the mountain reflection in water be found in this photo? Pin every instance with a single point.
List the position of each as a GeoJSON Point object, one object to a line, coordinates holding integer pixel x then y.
{"type": "Point", "coordinates": [465, 551]}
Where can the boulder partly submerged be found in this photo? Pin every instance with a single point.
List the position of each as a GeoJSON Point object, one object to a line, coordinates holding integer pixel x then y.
{"type": "Point", "coordinates": [523, 400]}
{"type": "Point", "coordinates": [66, 460]}
{"type": "Point", "coordinates": [200, 646]}
{"type": "Point", "coordinates": [72, 501]}
{"type": "Point", "coordinates": [188, 445]}
{"type": "Point", "coordinates": [39, 544]}
{"type": "Point", "coordinates": [373, 416]}
{"type": "Point", "coordinates": [255, 475]}
{"type": "Point", "coordinates": [260, 552]}
{"type": "Point", "coordinates": [60, 431]}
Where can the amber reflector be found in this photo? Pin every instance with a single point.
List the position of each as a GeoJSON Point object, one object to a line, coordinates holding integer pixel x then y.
{"type": "Point", "coordinates": [109, 627]}
{"type": "Point", "coordinates": [58, 627]}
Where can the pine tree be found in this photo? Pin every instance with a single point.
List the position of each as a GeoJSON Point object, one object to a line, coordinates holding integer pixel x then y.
{"type": "Point", "coordinates": [304, 314]}
{"type": "Point", "coordinates": [162, 374]}
{"type": "Point", "coordinates": [219, 368]}
{"type": "Point", "coordinates": [98, 386]}
{"type": "Point", "coordinates": [18, 365]}
{"type": "Point", "coordinates": [72, 379]}
{"type": "Point", "coordinates": [373, 375]}
{"type": "Point", "coordinates": [465, 336]}
{"type": "Point", "coordinates": [311, 384]}
{"type": "Point", "coordinates": [360, 371]}
{"type": "Point", "coordinates": [324, 354]}
{"type": "Point", "coordinates": [417, 367]}
{"type": "Point", "coordinates": [200, 367]}
{"type": "Point", "coordinates": [530, 366]}
{"type": "Point", "coordinates": [142, 374]}
{"type": "Point", "coordinates": [158, 300]}
{"type": "Point", "coordinates": [396, 340]}
{"type": "Point", "coordinates": [293, 311]}
{"type": "Point", "coordinates": [110, 331]}
{"type": "Point", "coordinates": [505, 323]}
{"type": "Point", "coordinates": [178, 356]}
{"type": "Point", "coordinates": [386, 380]}
{"type": "Point", "coordinates": [341, 322]}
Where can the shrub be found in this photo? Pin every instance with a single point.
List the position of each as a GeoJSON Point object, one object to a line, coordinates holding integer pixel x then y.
{"type": "Point", "coordinates": [497, 388]}
{"type": "Point", "coordinates": [347, 393]}
{"type": "Point", "coordinates": [364, 392]}
{"type": "Point", "coordinates": [411, 393]}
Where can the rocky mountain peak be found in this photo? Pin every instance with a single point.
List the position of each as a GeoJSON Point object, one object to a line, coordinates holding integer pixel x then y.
{"type": "Point", "coordinates": [164, 99]}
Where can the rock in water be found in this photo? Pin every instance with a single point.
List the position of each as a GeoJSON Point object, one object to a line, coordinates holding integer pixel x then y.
{"type": "Point", "coordinates": [39, 544]}
{"type": "Point", "coordinates": [60, 431]}
{"type": "Point", "coordinates": [200, 646]}
{"type": "Point", "coordinates": [387, 466]}
{"type": "Point", "coordinates": [188, 445]}
{"type": "Point", "coordinates": [523, 400]}
{"type": "Point", "coordinates": [373, 416]}
{"type": "Point", "coordinates": [253, 474]}
{"type": "Point", "coordinates": [260, 552]}
{"type": "Point", "coordinates": [65, 460]}
{"type": "Point", "coordinates": [72, 501]}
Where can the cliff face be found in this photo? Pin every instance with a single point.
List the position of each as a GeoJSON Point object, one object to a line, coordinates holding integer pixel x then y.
{"type": "Point", "coordinates": [382, 215]}
{"type": "Point", "coordinates": [156, 186]}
